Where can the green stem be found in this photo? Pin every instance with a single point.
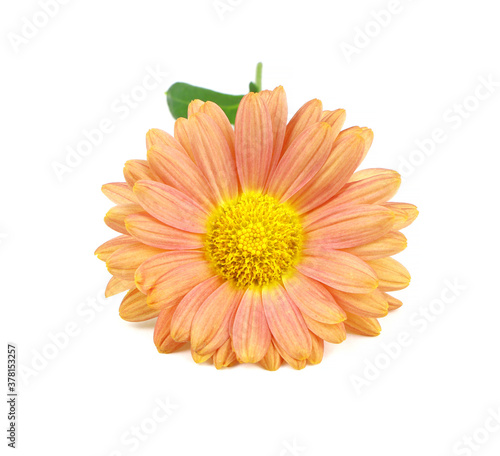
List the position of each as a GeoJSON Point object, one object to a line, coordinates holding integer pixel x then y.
{"type": "Point", "coordinates": [258, 76]}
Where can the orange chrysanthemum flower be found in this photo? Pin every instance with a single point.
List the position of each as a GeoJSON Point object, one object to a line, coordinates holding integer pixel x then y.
{"type": "Point", "coordinates": [256, 244]}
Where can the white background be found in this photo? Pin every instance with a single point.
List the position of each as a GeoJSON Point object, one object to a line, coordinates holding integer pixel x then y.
{"type": "Point", "coordinates": [405, 81]}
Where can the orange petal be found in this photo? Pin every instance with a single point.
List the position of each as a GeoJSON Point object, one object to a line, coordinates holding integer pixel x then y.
{"type": "Point", "coordinates": [272, 360]}
{"type": "Point", "coordinates": [336, 171]}
{"type": "Point", "coordinates": [189, 306]}
{"type": "Point", "coordinates": [220, 118]}
{"type": "Point", "coordinates": [253, 142]}
{"type": "Point", "coordinates": [306, 116]}
{"type": "Point", "coordinates": [105, 250]}
{"type": "Point", "coordinates": [366, 326]}
{"type": "Point", "coordinates": [224, 356]}
{"type": "Point", "coordinates": [162, 338]}
{"type": "Point", "coordinates": [313, 299]}
{"type": "Point", "coordinates": [388, 245]}
{"type": "Point", "coordinates": [116, 285]}
{"type": "Point", "coordinates": [392, 274]}
{"type": "Point", "coordinates": [119, 193]}
{"type": "Point", "coordinates": [126, 260]}
{"type": "Point", "coordinates": [171, 206]}
{"type": "Point", "coordinates": [339, 270]}
{"type": "Point", "coordinates": [367, 134]}
{"type": "Point", "coordinates": [335, 119]}
{"type": "Point", "coordinates": [335, 334]}
{"type": "Point", "coordinates": [278, 110]}
{"type": "Point", "coordinates": [135, 170]}
{"type": "Point", "coordinates": [199, 359]}
{"type": "Point", "coordinates": [393, 302]}
{"type": "Point", "coordinates": [301, 161]}
{"type": "Point", "coordinates": [181, 135]}
{"type": "Point", "coordinates": [405, 214]}
{"type": "Point", "coordinates": [367, 305]}
{"type": "Point", "coordinates": [153, 268]}
{"type": "Point", "coordinates": [134, 307]}
{"type": "Point", "coordinates": [194, 107]}
{"type": "Point", "coordinates": [210, 327]}
{"type": "Point", "coordinates": [212, 155]}
{"type": "Point", "coordinates": [150, 231]}
{"type": "Point", "coordinates": [296, 364]}
{"type": "Point", "coordinates": [370, 186]}
{"type": "Point", "coordinates": [350, 227]}
{"type": "Point", "coordinates": [157, 137]}
{"type": "Point", "coordinates": [251, 334]}
{"type": "Point", "coordinates": [317, 350]}
{"type": "Point", "coordinates": [286, 322]}
{"type": "Point", "coordinates": [115, 217]}
{"type": "Point", "coordinates": [177, 170]}
{"type": "Point", "coordinates": [171, 287]}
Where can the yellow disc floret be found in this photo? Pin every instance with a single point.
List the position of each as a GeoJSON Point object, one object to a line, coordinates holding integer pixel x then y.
{"type": "Point", "coordinates": [253, 239]}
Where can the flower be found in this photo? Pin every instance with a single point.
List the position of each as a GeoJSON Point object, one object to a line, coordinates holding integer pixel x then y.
{"type": "Point", "coordinates": [256, 244]}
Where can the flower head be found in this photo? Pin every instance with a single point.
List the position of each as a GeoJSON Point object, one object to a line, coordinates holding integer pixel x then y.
{"type": "Point", "coordinates": [256, 244]}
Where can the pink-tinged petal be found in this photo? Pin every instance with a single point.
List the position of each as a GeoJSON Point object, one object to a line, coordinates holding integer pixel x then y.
{"type": "Point", "coordinates": [199, 359]}
{"type": "Point", "coordinates": [189, 306]}
{"type": "Point", "coordinates": [312, 298]}
{"type": "Point", "coordinates": [194, 107]}
{"type": "Point", "coordinates": [272, 360]}
{"type": "Point", "coordinates": [277, 106]}
{"type": "Point", "coordinates": [157, 137]}
{"type": "Point", "coordinates": [338, 168]}
{"type": "Point", "coordinates": [335, 119]}
{"type": "Point", "coordinates": [339, 270]}
{"type": "Point", "coordinates": [301, 161]}
{"type": "Point", "coordinates": [388, 245]}
{"type": "Point", "coordinates": [297, 364]}
{"type": "Point", "coordinates": [181, 134]}
{"type": "Point", "coordinates": [171, 287]}
{"type": "Point", "coordinates": [162, 338]}
{"type": "Point", "coordinates": [119, 193]}
{"type": "Point", "coordinates": [105, 250]}
{"type": "Point", "coordinates": [371, 304]}
{"type": "Point", "coordinates": [253, 142]}
{"type": "Point", "coordinates": [153, 268]}
{"type": "Point", "coordinates": [116, 285]}
{"type": "Point", "coordinates": [171, 206]}
{"type": "Point", "coordinates": [317, 351]}
{"type": "Point", "coordinates": [367, 134]}
{"type": "Point", "coordinates": [124, 262]}
{"type": "Point", "coordinates": [224, 356]}
{"type": "Point", "coordinates": [251, 334]}
{"type": "Point", "coordinates": [115, 217]}
{"type": "Point", "coordinates": [212, 155]}
{"type": "Point", "coordinates": [335, 334]}
{"type": "Point", "coordinates": [152, 232]}
{"type": "Point", "coordinates": [135, 170]}
{"type": "Point", "coordinates": [286, 322]}
{"type": "Point", "coordinates": [210, 327]}
{"type": "Point", "coordinates": [405, 214]}
{"type": "Point", "coordinates": [134, 307]}
{"type": "Point", "coordinates": [177, 170]}
{"type": "Point", "coordinates": [371, 186]}
{"type": "Point", "coordinates": [393, 302]}
{"type": "Point", "coordinates": [307, 115]}
{"type": "Point", "coordinates": [353, 226]}
{"type": "Point", "coordinates": [392, 275]}
{"type": "Point", "coordinates": [366, 326]}
{"type": "Point", "coordinates": [220, 118]}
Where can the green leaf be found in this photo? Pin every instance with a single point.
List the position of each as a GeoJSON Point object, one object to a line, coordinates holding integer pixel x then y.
{"type": "Point", "coordinates": [253, 87]}
{"type": "Point", "coordinates": [180, 94]}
